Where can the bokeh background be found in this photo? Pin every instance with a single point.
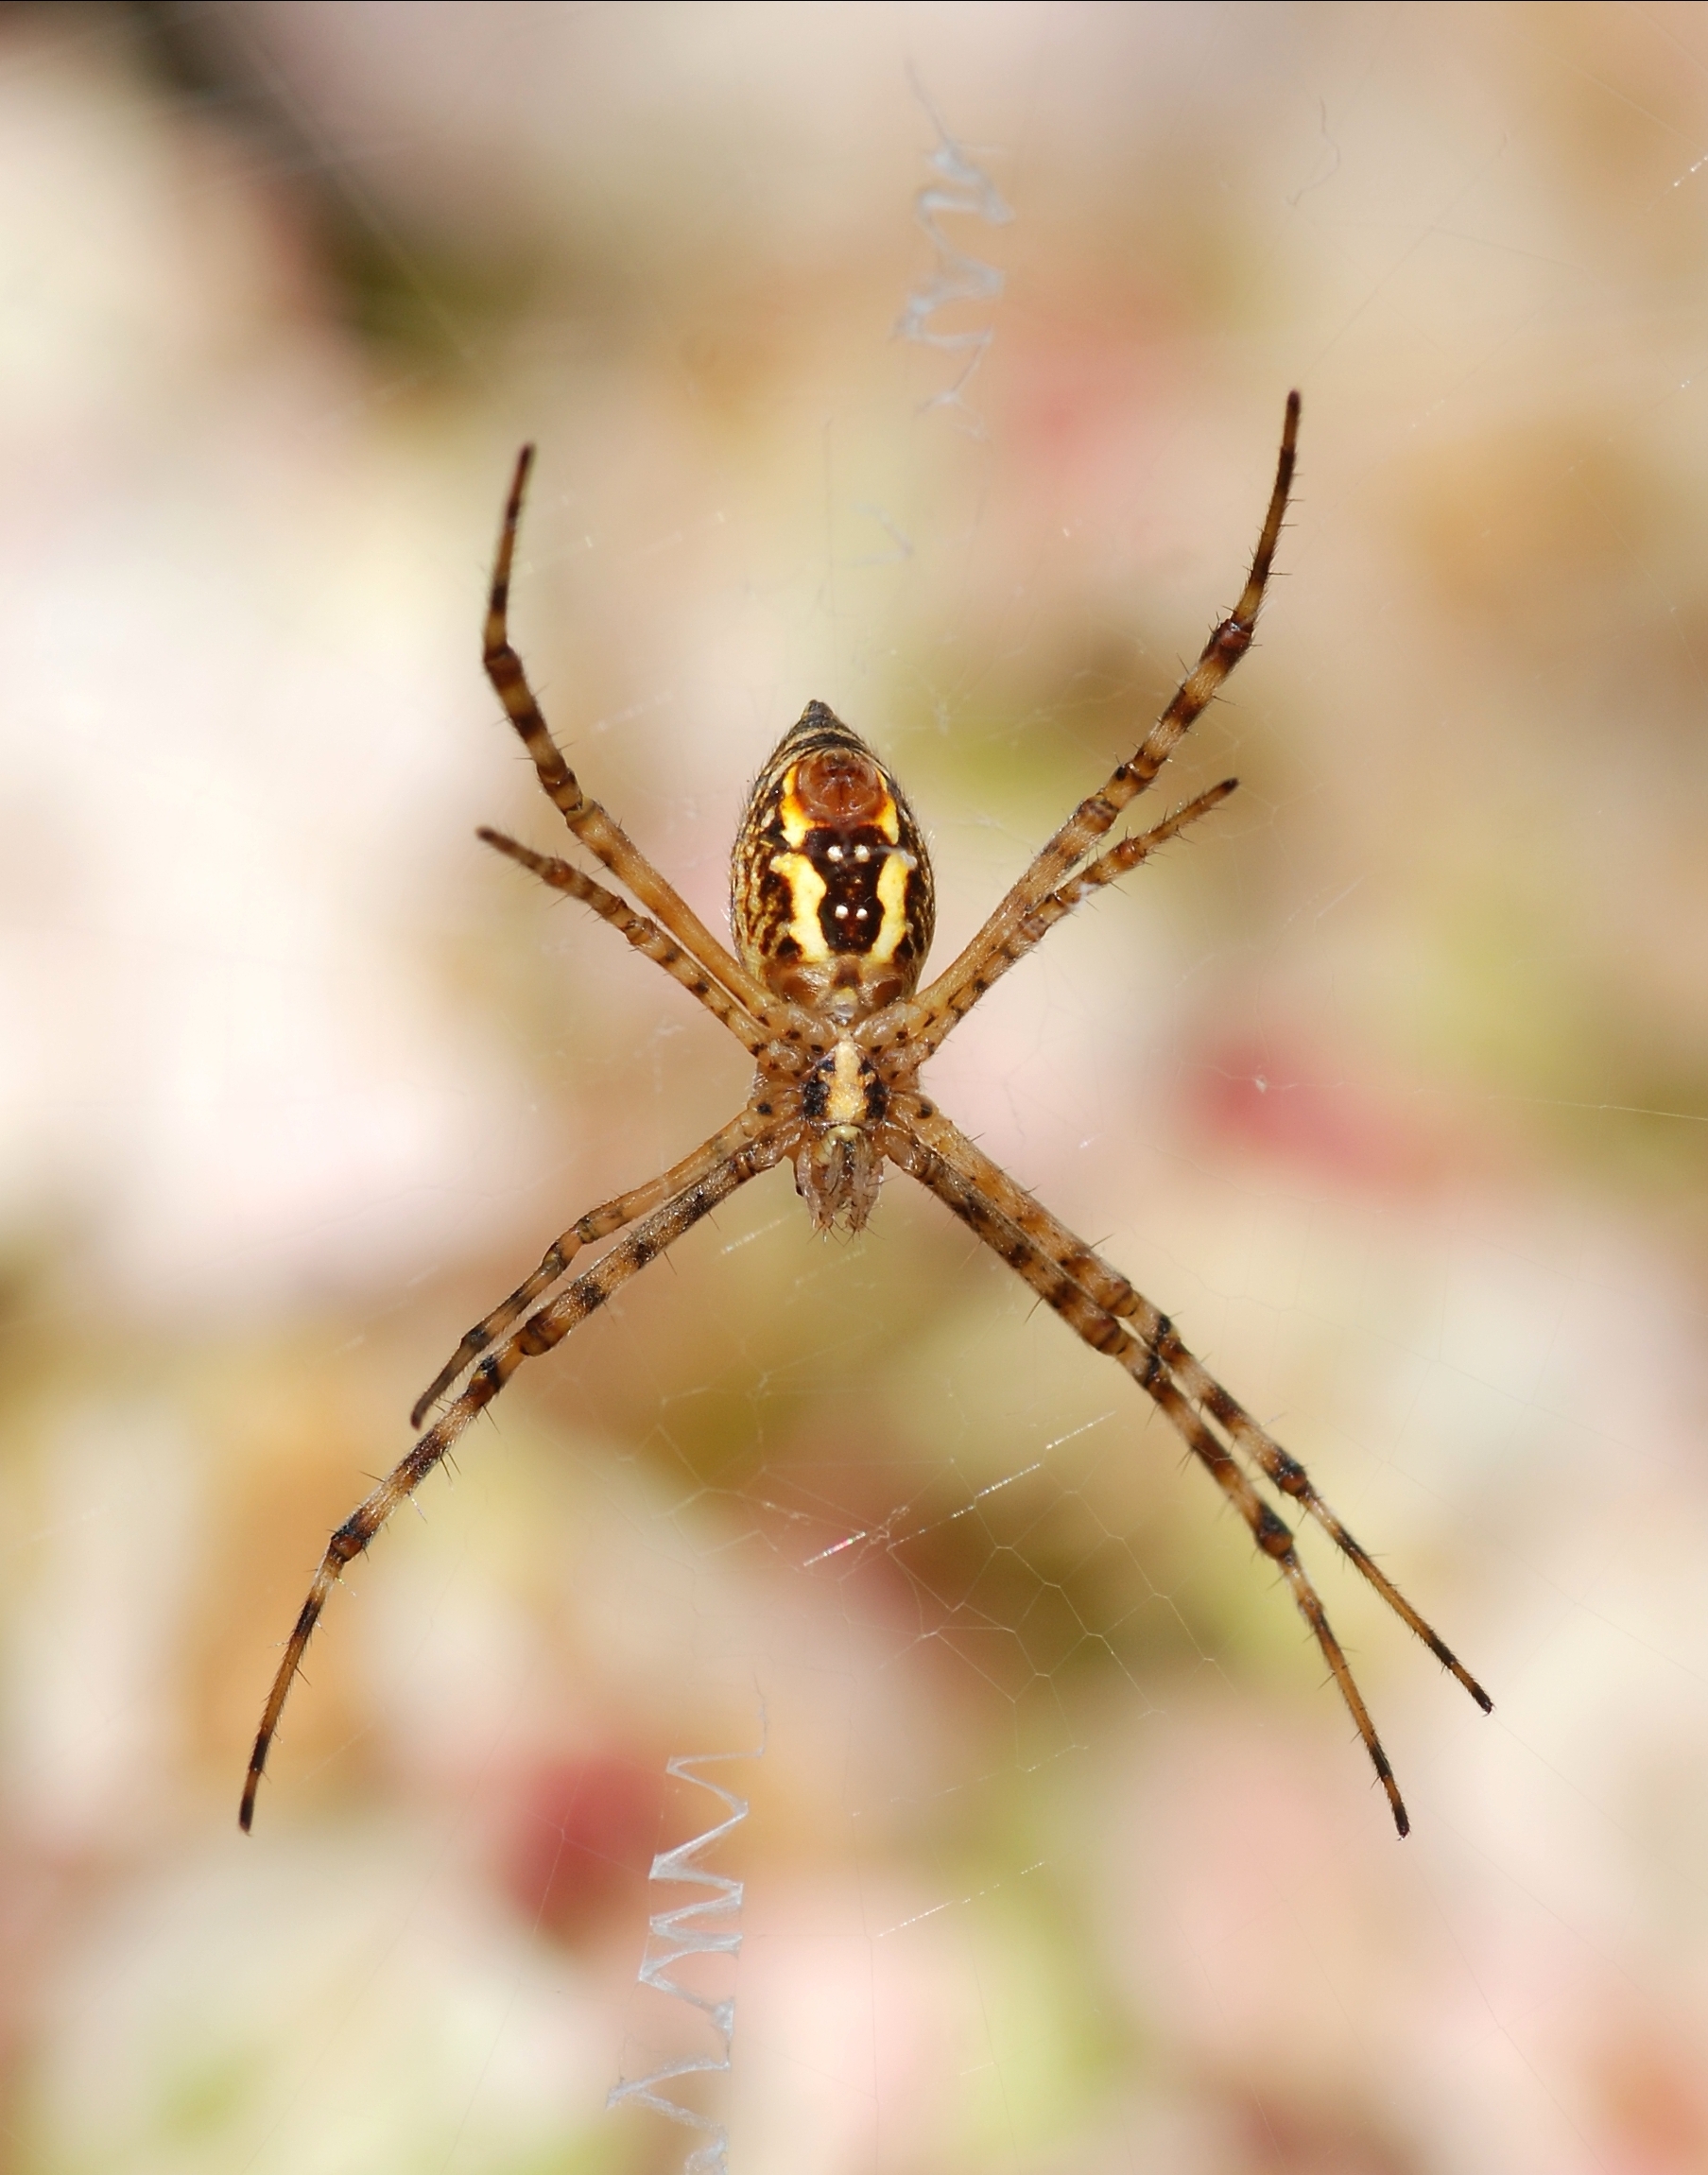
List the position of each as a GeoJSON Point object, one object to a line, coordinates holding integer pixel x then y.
{"type": "Point", "coordinates": [1391, 1085]}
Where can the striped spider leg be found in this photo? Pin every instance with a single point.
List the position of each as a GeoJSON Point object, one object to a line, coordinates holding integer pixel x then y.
{"type": "Point", "coordinates": [811, 1088]}
{"type": "Point", "coordinates": [1009, 932]}
{"type": "Point", "coordinates": [1096, 1301]}
{"type": "Point", "coordinates": [832, 909]}
{"type": "Point", "coordinates": [549, 1325]}
{"type": "Point", "coordinates": [772, 1030]}
{"type": "Point", "coordinates": [1101, 1307]}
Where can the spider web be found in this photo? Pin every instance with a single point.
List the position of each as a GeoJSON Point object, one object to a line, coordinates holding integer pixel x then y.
{"type": "Point", "coordinates": [929, 361]}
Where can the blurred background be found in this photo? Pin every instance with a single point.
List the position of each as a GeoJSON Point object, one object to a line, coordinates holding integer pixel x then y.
{"type": "Point", "coordinates": [928, 360]}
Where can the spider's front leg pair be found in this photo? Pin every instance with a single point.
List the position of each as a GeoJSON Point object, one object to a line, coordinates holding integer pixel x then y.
{"type": "Point", "coordinates": [832, 910]}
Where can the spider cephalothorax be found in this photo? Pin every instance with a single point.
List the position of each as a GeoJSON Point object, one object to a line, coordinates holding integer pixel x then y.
{"type": "Point", "coordinates": [831, 907]}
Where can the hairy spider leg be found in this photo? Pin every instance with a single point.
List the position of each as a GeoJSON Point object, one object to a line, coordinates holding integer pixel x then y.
{"type": "Point", "coordinates": [1227, 645]}
{"type": "Point", "coordinates": [1103, 1333]}
{"type": "Point", "coordinates": [650, 940]}
{"type": "Point", "coordinates": [587, 1231]}
{"type": "Point", "coordinates": [593, 825]}
{"type": "Point", "coordinates": [1109, 1290]}
{"type": "Point", "coordinates": [537, 1335]}
{"type": "Point", "coordinates": [646, 937]}
{"type": "Point", "coordinates": [940, 1019]}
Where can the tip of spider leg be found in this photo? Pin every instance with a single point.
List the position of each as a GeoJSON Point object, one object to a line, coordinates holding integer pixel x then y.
{"type": "Point", "coordinates": [1401, 1819]}
{"type": "Point", "coordinates": [1451, 1661]}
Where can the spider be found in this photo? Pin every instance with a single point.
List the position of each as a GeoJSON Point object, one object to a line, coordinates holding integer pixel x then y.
{"type": "Point", "coordinates": [832, 910]}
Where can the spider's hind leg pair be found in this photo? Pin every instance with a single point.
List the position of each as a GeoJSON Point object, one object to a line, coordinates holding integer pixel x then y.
{"type": "Point", "coordinates": [832, 910]}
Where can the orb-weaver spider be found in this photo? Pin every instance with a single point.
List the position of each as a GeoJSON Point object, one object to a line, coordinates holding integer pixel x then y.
{"type": "Point", "coordinates": [831, 912]}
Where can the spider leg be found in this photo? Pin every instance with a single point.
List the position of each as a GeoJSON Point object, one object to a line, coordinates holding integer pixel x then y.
{"type": "Point", "coordinates": [597, 1224]}
{"type": "Point", "coordinates": [928, 1020]}
{"type": "Point", "coordinates": [1111, 1291]}
{"type": "Point", "coordinates": [646, 937]}
{"type": "Point", "coordinates": [537, 1335]}
{"type": "Point", "coordinates": [1099, 1328]}
{"type": "Point", "coordinates": [598, 831]}
{"type": "Point", "coordinates": [1228, 644]}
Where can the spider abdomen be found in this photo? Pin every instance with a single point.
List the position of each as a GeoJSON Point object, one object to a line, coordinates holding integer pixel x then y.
{"type": "Point", "coordinates": [831, 895]}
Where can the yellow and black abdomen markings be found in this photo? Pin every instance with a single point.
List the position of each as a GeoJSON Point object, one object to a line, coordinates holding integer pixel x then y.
{"type": "Point", "coordinates": [844, 892]}
{"type": "Point", "coordinates": [830, 873]}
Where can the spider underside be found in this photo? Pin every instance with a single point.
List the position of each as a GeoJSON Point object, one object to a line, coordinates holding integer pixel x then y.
{"type": "Point", "coordinates": [832, 913]}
